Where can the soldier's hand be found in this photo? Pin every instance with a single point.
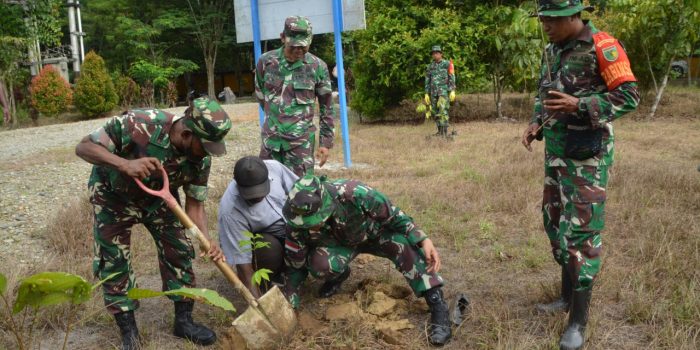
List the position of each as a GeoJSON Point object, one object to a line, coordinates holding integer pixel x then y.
{"type": "Point", "coordinates": [140, 168]}
{"type": "Point", "coordinates": [322, 155]}
{"type": "Point", "coordinates": [561, 102]}
{"type": "Point", "coordinates": [452, 96]}
{"type": "Point", "coordinates": [529, 135]}
{"type": "Point", "coordinates": [431, 255]}
{"type": "Point", "coordinates": [426, 98]}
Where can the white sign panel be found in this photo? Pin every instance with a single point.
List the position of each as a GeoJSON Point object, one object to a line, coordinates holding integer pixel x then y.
{"type": "Point", "coordinates": [272, 14]}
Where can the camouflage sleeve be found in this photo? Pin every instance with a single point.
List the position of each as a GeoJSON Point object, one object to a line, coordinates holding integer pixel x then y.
{"type": "Point", "coordinates": [295, 265]}
{"type": "Point", "coordinates": [537, 114]}
{"type": "Point", "coordinates": [427, 80]}
{"type": "Point", "coordinates": [260, 81]}
{"type": "Point", "coordinates": [451, 84]}
{"type": "Point", "coordinates": [390, 217]}
{"type": "Point", "coordinates": [197, 188]}
{"type": "Point", "coordinates": [115, 135]}
{"type": "Point", "coordinates": [609, 106]}
{"type": "Point", "coordinates": [325, 100]}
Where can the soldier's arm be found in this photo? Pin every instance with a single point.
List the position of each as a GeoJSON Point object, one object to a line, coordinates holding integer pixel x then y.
{"type": "Point", "coordinates": [608, 106]}
{"type": "Point", "coordinates": [100, 146]}
{"type": "Point", "coordinates": [379, 208]}
{"type": "Point", "coordinates": [295, 265]}
{"type": "Point", "coordinates": [260, 82]}
{"type": "Point", "coordinates": [427, 80]}
{"type": "Point", "coordinates": [325, 100]}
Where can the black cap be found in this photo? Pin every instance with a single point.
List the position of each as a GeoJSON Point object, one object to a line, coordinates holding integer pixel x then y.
{"type": "Point", "coordinates": [251, 177]}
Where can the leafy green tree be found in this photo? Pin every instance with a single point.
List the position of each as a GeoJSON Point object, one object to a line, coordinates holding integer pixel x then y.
{"type": "Point", "coordinates": [51, 94]}
{"type": "Point", "coordinates": [94, 90]}
{"type": "Point", "coordinates": [394, 50]}
{"type": "Point", "coordinates": [655, 33]}
{"type": "Point", "coordinates": [511, 50]}
{"type": "Point", "coordinates": [152, 76]}
{"type": "Point", "coordinates": [210, 19]}
{"type": "Point", "coordinates": [127, 90]}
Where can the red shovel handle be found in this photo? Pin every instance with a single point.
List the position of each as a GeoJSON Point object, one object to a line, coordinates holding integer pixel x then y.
{"type": "Point", "coordinates": [163, 193]}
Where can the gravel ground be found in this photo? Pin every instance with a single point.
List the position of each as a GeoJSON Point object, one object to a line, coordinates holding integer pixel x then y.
{"type": "Point", "coordinates": [40, 172]}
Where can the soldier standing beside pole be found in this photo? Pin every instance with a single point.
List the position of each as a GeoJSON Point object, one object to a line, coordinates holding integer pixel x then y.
{"type": "Point", "coordinates": [287, 82]}
{"type": "Point", "coordinates": [439, 87]}
{"type": "Point", "coordinates": [588, 85]}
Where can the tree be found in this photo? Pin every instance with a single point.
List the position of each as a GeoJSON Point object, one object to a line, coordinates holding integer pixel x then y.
{"type": "Point", "coordinates": [51, 94]}
{"type": "Point", "coordinates": [210, 19]}
{"type": "Point", "coordinates": [94, 90]}
{"type": "Point", "coordinates": [511, 50]}
{"type": "Point", "coordinates": [394, 50]}
{"type": "Point", "coordinates": [25, 26]}
{"type": "Point", "coordinates": [669, 27]}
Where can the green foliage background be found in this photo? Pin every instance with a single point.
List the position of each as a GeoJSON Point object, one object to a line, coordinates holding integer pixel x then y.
{"type": "Point", "coordinates": [50, 93]}
{"type": "Point", "coordinates": [94, 90]}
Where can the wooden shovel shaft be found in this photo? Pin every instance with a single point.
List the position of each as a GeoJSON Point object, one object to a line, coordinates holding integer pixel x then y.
{"type": "Point", "coordinates": [222, 265]}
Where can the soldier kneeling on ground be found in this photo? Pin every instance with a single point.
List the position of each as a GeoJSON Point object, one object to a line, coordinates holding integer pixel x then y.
{"type": "Point", "coordinates": [333, 221]}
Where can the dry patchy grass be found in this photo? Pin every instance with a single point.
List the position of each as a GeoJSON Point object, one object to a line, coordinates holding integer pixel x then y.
{"type": "Point", "coordinates": [479, 198]}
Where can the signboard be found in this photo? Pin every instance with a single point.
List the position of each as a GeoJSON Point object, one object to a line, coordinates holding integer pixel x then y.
{"type": "Point", "coordinates": [272, 14]}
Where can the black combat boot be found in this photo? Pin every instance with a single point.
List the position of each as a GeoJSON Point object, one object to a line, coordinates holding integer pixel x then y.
{"type": "Point", "coordinates": [562, 303]}
{"type": "Point", "coordinates": [574, 335]}
{"type": "Point", "coordinates": [127, 327]}
{"type": "Point", "coordinates": [331, 286]}
{"type": "Point", "coordinates": [439, 332]}
{"type": "Point", "coordinates": [186, 328]}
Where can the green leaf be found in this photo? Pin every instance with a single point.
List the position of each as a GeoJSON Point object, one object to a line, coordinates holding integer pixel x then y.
{"type": "Point", "coordinates": [104, 280]}
{"type": "Point", "coordinates": [245, 243]}
{"type": "Point", "coordinates": [248, 234]}
{"type": "Point", "coordinates": [207, 296]}
{"type": "Point", "coordinates": [3, 283]}
{"type": "Point", "coordinates": [50, 288]}
{"type": "Point", "coordinates": [262, 274]}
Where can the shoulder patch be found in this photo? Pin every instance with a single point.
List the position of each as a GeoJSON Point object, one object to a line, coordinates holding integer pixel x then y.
{"type": "Point", "coordinates": [613, 63]}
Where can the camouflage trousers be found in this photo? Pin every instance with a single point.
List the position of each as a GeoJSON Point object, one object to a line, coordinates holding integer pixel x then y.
{"type": "Point", "coordinates": [573, 208]}
{"type": "Point", "coordinates": [331, 260]}
{"type": "Point", "coordinates": [300, 159]}
{"type": "Point", "coordinates": [114, 219]}
{"type": "Point", "coordinates": [440, 107]}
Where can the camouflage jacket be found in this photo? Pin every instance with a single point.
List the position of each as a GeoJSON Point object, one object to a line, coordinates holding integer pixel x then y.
{"type": "Point", "coordinates": [287, 92]}
{"type": "Point", "coordinates": [439, 81]}
{"type": "Point", "coordinates": [145, 133]}
{"type": "Point", "coordinates": [361, 215]}
{"type": "Point", "coordinates": [575, 70]}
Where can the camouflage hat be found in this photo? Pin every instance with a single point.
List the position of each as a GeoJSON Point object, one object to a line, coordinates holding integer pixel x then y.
{"type": "Point", "coordinates": [560, 8]}
{"type": "Point", "coordinates": [210, 123]}
{"type": "Point", "coordinates": [309, 203]}
{"type": "Point", "coordinates": [297, 31]}
{"type": "Point", "coordinates": [436, 48]}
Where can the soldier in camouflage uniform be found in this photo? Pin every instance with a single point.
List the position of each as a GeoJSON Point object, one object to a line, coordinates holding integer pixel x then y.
{"type": "Point", "coordinates": [591, 86]}
{"type": "Point", "coordinates": [287, 82]}
{"type": "Point", "coordinates": [333, 221]}
{"type": "Point", "coordinates": [138, 144]}
{"type": "Point", "coordinates": [439, 87]}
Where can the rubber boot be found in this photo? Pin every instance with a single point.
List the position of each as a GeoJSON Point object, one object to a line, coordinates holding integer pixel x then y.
{"type": "Point", "coordinates": [574, 335]}
{"type": "Point", "coordinates": [332, 286]}
{"type": "Point", "coordinates": [127, 327]}
{"type": "Point", "coordinates": [562, 303]}
{"type": "Point", "coordinates": [439, 332]}
{"type": "Point", "coordinates": [186, 328]}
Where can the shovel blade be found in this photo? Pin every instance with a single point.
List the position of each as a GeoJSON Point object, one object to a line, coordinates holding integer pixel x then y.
{"type": "Point", "coordinates": [256, 330]}
{"type": "Point", "coordinates": [278, 311]}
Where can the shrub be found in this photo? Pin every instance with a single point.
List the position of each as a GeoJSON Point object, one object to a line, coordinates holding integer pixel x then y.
{"type": "Point", "coordinates": [94, 91]}
{"type": "Point", "coordinates": [127, 90]}
{"type": "Point", "coordinates": [51, 94]}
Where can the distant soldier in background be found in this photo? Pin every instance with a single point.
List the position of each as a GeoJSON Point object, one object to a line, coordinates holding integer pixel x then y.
{"type": "Point", "coordinates": [287, 82]}
{"type": "Point", "coordinates": [588, 85]}
{"type": "Point", "coordinates": [439, 87]}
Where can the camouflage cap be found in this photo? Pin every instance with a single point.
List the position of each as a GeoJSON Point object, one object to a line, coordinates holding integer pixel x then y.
{"type": "Point", "coordinates": [560, 8]}
{"type": "Point", "coordinates": [436, 48]}
{"type": "Point", "coordinates": [297, 31]}
{"type": "Point", "coordinates": [309, 203]}
{"type": "Point", "coordinates": [210, 123]}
